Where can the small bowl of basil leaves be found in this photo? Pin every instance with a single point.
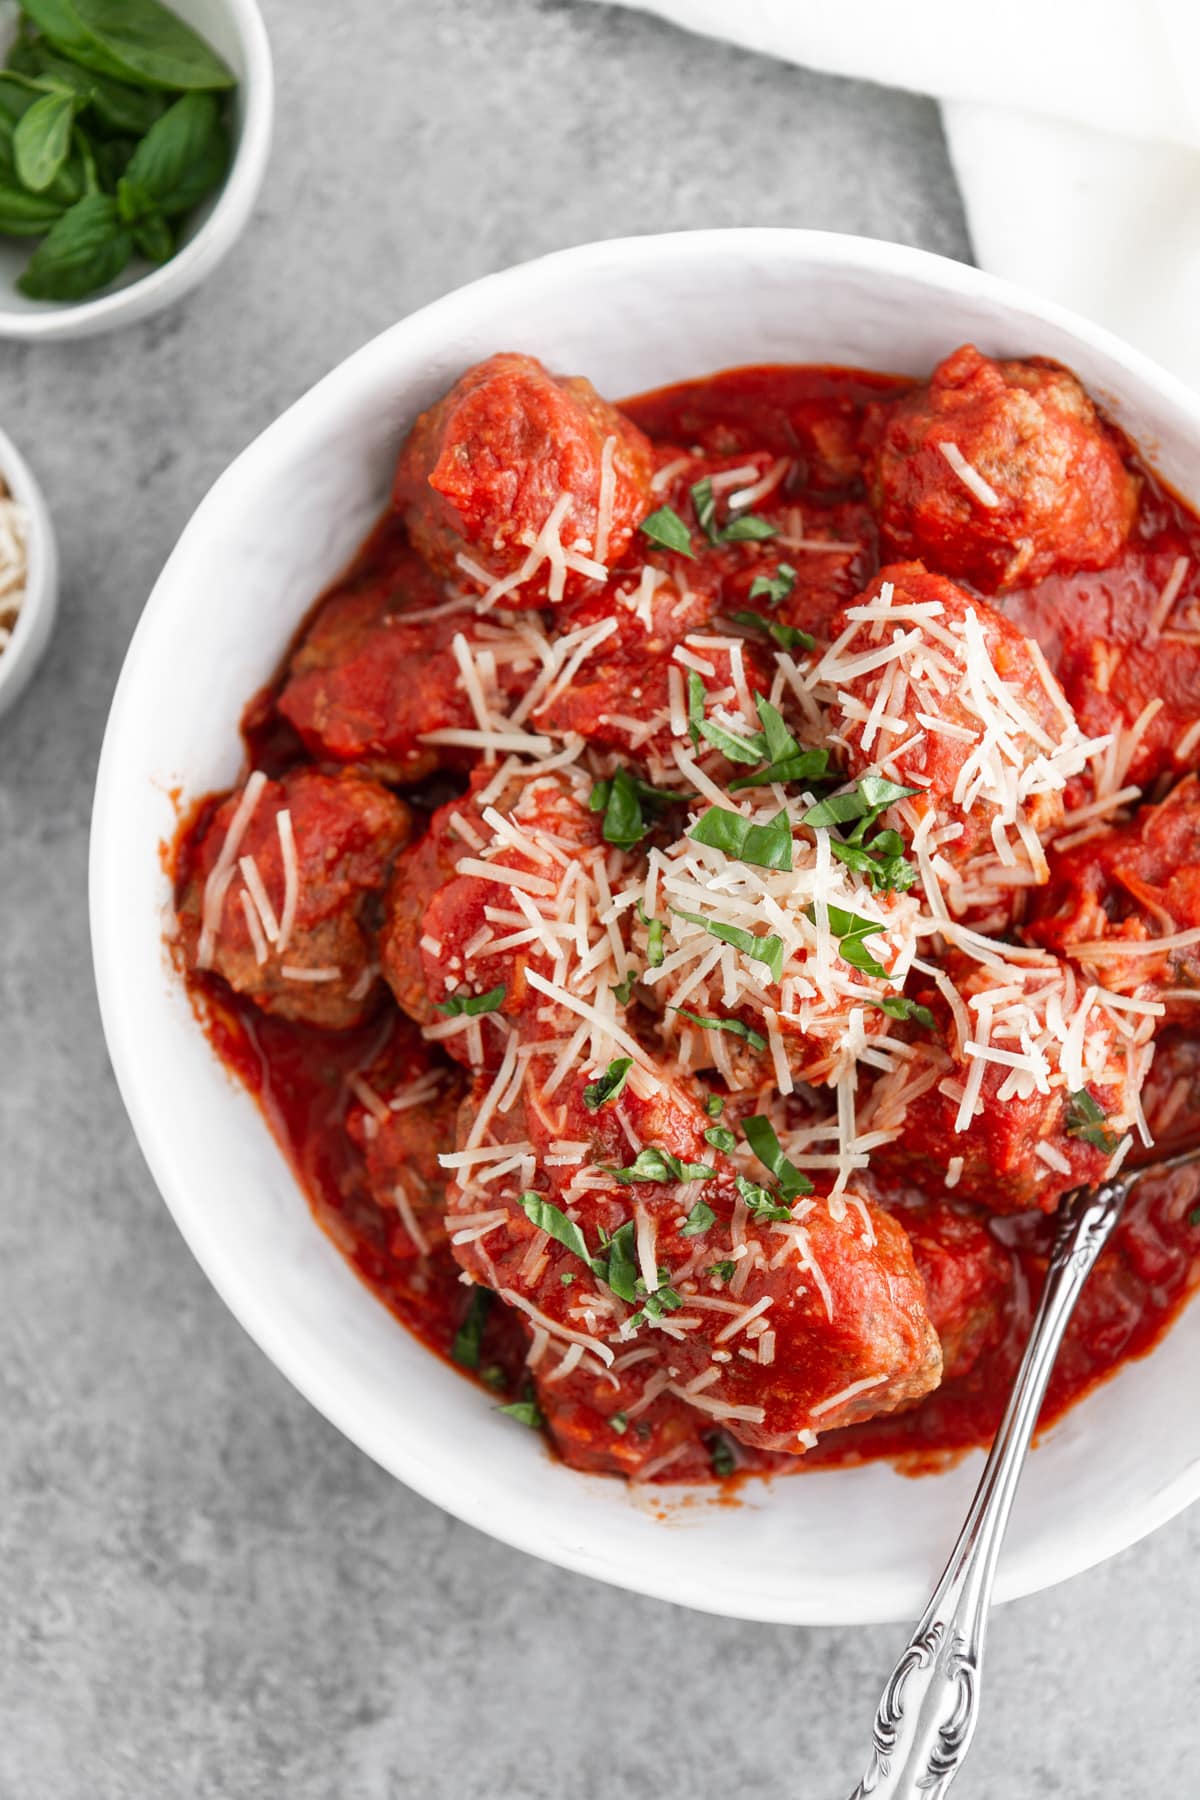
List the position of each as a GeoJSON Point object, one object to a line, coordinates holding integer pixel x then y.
{"type": "Point", "coordinates": [133, 141]}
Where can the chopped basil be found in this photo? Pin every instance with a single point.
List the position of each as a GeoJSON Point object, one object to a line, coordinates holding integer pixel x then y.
{"type": "Point", "coordinates": [619, 1423]}
{"type": "Point", "coordinates": [654, 1306]}
{"type": "Point", "coordinates": [747, 529]}
{"type": "Point", "coordinates": [696, 696]}
{"type": "Point", "coordinates": [623, 989]}
{"type": "Point", "coordinates": [525, 1412]}
{"type": "Point", "coordinates": [493, 1377]}
{"type": "Point", "coordinates": [699, 1219]}
{"type": "Point", "coordinates": [621, 1251]}
{"type": "Point", "coordinates": [714, 1106]}
{"type": "Point", "coordinates": [722, 1456]}
{"type": "Point", "coordinates": [654, 937]}
{"type": "Point", "coordinates": [740, 530]}
{"type": "Point", "coordinates": [763, 846]}
{"type": "Point", "coordinates": [851, 931]}
{"type": "Point", "coordinates": [760, 1135]}
{"type": "Point", "coordinates": [1086, 1120]}
{"type": "Point", "coordinates": [733, 1026]}
{"type": "Point", "coordinates": [788, 637]}
{"type": "Point", "coordinates": [899, 1006]}
{"type": "Point", "coordinates": [655, 1164]}
{"type": "Point", "coordinates": [1194, 1216]}
{"type": "Point", "coordinates": [880, 858]}
{"type": "Point", "coordinates": [806, 765]}
{"type": "Point", "coordinates": [706, 509]}
{"type": "Point", "coordinates": [774, 588]}
{"type": "Point", "coordinates": [549, 1218]}
{"type": "Point", "coordinates": [471, 1005]}
{"type": "Point", "coordinates": [606, 1087]}
{"type": "Point", "coordinates": [721, 1138]}
{"type": "Point", "coordinates": [766, 950]}
{"type": "Point", "coordinates": [629, 805]}
{"type": "Point", "coordinates": [764, 1205]}
{"type": "Point", "coordinates": [469, 1336]}
{"type": "Point", "coordinates": [665, 527]}
{"type": "Point", "coordinates": [567, 1279]}
{"type": "Point", "coordinates": [722, 1270]}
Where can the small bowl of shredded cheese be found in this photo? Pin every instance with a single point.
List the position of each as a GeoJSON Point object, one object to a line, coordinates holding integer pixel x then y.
{"type": "Point", "coordinates": [28, 573]}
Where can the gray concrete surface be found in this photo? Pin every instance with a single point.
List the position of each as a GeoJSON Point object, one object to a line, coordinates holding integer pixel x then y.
{"type": "Point", "coordinates": [205, 1594]}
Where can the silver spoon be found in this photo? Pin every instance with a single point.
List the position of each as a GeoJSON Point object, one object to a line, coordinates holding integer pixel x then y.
{"type": "Point", "coordinates": [929, 1708]}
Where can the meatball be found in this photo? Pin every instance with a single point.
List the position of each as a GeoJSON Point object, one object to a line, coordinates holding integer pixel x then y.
{"type": "Point", "coordinates": [1013, 1102]}
{"type": "Point", "coordinates": [999, 472]}
{"type": "Point", "coordinates": [282, 895]}
{"type": "Point", "coordinates": [365, 684]}
{"type": "Point", "coordinates": [1108, 899]}
{"type": "Point", "coordinates": [620, 697]}
{"type": "Point", "coordinates": [454, 932]}
{"type": "Point", "coordinates": [402, 1115]}
{"type": "Point", "coordinates": [775, 1329]}
{"type": "Point", "coordinates": [513, 463]}
{"type": "Point", "coordinates": [968, 1279]}
{"type": "Point", "coordinates": [966, 711]}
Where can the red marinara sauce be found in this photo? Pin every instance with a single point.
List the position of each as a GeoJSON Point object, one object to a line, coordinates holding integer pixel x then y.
{"type": "Point", "coordinates": [983, 1270]}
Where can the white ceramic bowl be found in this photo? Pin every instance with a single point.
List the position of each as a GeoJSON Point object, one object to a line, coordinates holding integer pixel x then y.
{"type": "Point", "coordinates": [35, 620]}
{"type": "Point", "coordinates": [838, 1547]}
{"type": "Point", "coordinates": [235, 29]}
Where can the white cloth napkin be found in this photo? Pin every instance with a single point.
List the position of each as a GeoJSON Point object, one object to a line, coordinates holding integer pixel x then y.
{"type": "Point", "coordinates": [1073, 125]}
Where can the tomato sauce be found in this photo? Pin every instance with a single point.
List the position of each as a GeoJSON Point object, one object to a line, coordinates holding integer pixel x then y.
{"type": "Point", "coordinates": [299, 1075]}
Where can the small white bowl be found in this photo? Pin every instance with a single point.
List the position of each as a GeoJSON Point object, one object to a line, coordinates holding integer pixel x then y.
{"type": "Point", "coordinates": [35, 620]}
{"type": "Point", "coordinates": [827, 1548]}
{"type": "Point", "coordinates": [235, 29]}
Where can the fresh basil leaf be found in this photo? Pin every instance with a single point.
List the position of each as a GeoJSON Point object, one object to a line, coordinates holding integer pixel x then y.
{"type": "Point", "coordinates": [699, 1220]}
{"type": "Point", "coordinates": [1087, 1121]}
{"type": "Point", "coordinates": [763, 846]}
{"type": "Point", "coordinates": [1194, 1217]}
{"type": "Point", "coordinates": [172, 144]}
{"type": "Point", "coordinates": [737, 749]}
{"type": "Point", "coordinates": [853, 950]}
{"type": "Point", "coordinates": [655, 953]}
{"type": "Point", "coordinates": [734, 1027]}
{"type": "Point", "coordinates": [724, 1271]}
{"type": "Point", "coordinates": [773, 589]}
{"type": "Point", "coordinates": [115, 104]}
{"type": "Point", "coordinates": [472, 1005]}
{"type": "Point", "coordinates": [84, 250]}
{"type": "Point", "coordinates": [26, 215]}
{"type": "Point", "coordinates": [493, 1377]}
{"type": "Point", "coordinates": [747, 529]}
{"type": "Point", "coordinates": [838, 809]}
{"type": "Point", "coordinates": [154, 239]}
{"type": "Point", "coordinates": [655, 1164]}
{"type": "Point", "coordinates": [899, 1006]}
{"type": "Point", "coordinates": [721, 1138]}
{"type": "Point", "coordinates": [665, 527]}
{"type": "Point", "coordinates": [204, 175]}
{"type": "Point", "coordinates": [781, 745]}
{"type": "Point", "coordinates": [468, 1339]}
{"type": "Point", "coordinates": [879, 792]}
{"type": "Point", "coordinates": [851, 929]}
{"type": "Point", "coordinates": [706, 509]}
{"type": "Point", "coordinates": [714, 1106]}
{"type": "Point", "coordinates": [766, 950]}
{"type": "Point", "coordinates": [764, 1205]}
{"type": "Point", "coordinates": [623, 989]}
{"type": "Point", "coordinates": [134, 40]}
{"type": "Point", "coordinates": [722, 1456]}
{"type": "Point", "coordinates": [568, 1278]}
{"type": "Point", "coordinates": [761, 1137]}
{"type": "Point", "coordinates": [606, 1087]}
{"type": "Point", "coordinates": [42, 140]}
{"type": "Point", "coordinates": [788, 637]}
{"type": "Point", "coordinates": [551, 1219]}
{"type": "Point", "coordinates": [619, 1423]}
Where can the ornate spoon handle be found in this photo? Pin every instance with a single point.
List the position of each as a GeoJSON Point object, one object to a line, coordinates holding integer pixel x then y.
{"type": "Point", "coordinates": [928, 1710]}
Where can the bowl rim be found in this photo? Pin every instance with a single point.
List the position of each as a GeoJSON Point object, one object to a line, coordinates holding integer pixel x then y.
{"type": "Point", "coordinates": [253, 1308]}
{"type": "Point", "coordinates": [39, 606]}
{"type": "Point", "coordinates": [191, 264]}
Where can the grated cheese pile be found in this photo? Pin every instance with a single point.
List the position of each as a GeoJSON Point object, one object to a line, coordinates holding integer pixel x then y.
{"type": "Point", "coordinates": [13, 564]}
